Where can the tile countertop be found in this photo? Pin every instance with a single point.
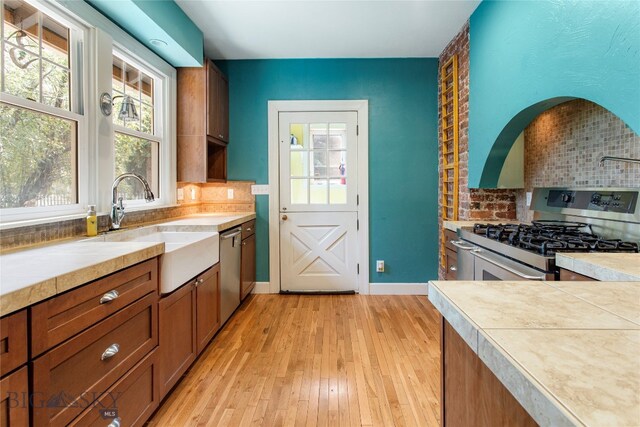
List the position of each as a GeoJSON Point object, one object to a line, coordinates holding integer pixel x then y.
{"type": "Point", "coordinates": [33, 275]}
{"type": "Point", "coordinates": [567, 351]}
{"type": "Point", "coordinates": [602, 266]}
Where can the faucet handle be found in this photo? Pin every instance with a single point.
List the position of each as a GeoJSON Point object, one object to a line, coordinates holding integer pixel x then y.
{"type": "Point", "coordinates": [120, 203]}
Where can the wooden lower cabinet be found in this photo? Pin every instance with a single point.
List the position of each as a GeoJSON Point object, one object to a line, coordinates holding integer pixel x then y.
{"type": "Point", "coordinates": [471, 393]}
{"type": "Point", "coordinates": [568, 275]}
{"type": "Point", "coordinates": [13, 341]}
{"type": "Point", "coordinates": [207, 306]}
{"type": "Point", "coordinates": [131, 400]}
{"type": "Point", "coordinates": [14, 402]}
{"type": "Point", "coordinates": [177, 335]}
{"type": "Point", "coordinates": [248, 266]}
{"type": "Point", "coordinates": [72, 375]}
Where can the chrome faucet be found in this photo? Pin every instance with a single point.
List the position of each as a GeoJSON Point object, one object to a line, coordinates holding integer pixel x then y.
{"type": "Point", "coordinates": [117, 205]}
{"type": "Point", "coordinates": [617, 159]}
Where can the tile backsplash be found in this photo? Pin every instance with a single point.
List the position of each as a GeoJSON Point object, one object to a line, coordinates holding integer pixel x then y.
{"type": "Point", "coordinates": [564, 144]}
{"type": "Point", "coordinates": [208, 198]}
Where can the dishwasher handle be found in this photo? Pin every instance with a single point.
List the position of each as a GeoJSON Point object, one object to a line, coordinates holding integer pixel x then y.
{"type": "Point", "coordinates": [230, 235]}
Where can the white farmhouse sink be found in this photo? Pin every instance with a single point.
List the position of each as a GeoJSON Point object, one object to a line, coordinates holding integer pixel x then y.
{"type": "Point", "coordinates": [186, 254]}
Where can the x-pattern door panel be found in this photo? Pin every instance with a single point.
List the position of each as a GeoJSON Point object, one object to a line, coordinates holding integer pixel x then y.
{"type": "Point", "coordinates": [319, 253]}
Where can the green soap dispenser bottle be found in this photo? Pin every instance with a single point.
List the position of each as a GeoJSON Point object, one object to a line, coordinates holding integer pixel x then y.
{"type": "Point", "coordinates": [92, 221]}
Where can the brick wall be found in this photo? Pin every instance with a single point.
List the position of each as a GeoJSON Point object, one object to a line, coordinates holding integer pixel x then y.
{"type": "Point", "coordinates": [480, 204]}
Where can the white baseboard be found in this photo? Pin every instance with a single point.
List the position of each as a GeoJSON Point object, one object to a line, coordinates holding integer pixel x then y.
{"type": "Point", "coordinates": [261, 288]}
{"type": "Point", "coordinates": [374, 288]}
{"type": "Point", "coordinates": [398, 288]}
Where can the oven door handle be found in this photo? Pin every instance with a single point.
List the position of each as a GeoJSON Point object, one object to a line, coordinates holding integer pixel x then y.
{"type": "Point", "coordinates": [477, 252]}
{"type": "Point", "coordinates": [457, 244]}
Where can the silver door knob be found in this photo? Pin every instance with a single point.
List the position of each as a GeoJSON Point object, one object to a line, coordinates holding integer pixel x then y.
{"type": "Point", "coordinates": [284, 217]}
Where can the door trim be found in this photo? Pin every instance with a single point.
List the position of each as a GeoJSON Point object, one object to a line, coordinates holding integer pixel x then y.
{"type": "Point", "coordinates": [362, 108]}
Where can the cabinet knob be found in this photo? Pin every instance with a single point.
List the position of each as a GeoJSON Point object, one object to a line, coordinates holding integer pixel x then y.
{"type": "Point", "coordinates": [109, 296]}
{"type": "Point", "coordinates": [453, 268]}
{"type": "Point", "coordinates": [111, 351]}
{"type": "Point", "coordinates": [220, 136]}
{"type": "Point", "coordinates": [284, 217]}
{"type": "Point", "coordinates": [115, 422]}
{"type": "Point", "coordinates": [198, 281]}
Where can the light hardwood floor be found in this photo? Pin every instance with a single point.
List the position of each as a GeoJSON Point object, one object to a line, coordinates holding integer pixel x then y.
{"type": "Point", "coordinates": [346, 360]}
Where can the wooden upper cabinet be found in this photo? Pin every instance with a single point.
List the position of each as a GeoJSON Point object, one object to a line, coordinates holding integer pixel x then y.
{"type": "Point", "coordinates": [203, 124]}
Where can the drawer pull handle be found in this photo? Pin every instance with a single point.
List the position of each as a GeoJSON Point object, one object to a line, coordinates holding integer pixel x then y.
{"type": "Point", "coordinates": [115, 422]}
{"type": "Point", "coordinates": [109, 296]}
{"type": "Point", "coordinates": [111, 351]}
{"type": "Point", "coordinates": [248, 228]}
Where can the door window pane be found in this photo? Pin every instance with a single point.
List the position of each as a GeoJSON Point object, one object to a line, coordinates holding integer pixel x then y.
{"type": "Point", "coordinates": [337, 163]}
{"type": "Point", "coordinates": [338, 191]}
{"type": "Point", "coordinates": [299, 135]}
{"type": "Point", "coordinates": [299, 191]}
{"type": "Point", "coordinates": [318, 162]}
{"type": "Point", "coordinates": [337, 136]}
{"type": "Point", "coordinates": [318, 191]}
{"type": "Point", "coordinates": [318, 136]}
{"type": "Point", "coordinates": [299, 165]}
{"type": "Point", "coordinates": [37, 159]}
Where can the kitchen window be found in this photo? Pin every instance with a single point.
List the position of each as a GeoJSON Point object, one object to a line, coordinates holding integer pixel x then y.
{"type": "Point", "coordinates": [41, 112]}
{"type": "Point", "coordinates": [138, 138]}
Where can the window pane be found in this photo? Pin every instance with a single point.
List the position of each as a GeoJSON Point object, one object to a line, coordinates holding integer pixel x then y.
{"type": "Point", "coordinates": [147, 89]}
{"type": "Point", "coordinates": [21, 73]}
{"type": "Point", "coordinates": [21, 25]}
{"type": "Point", "coordinates": [318, 163]}
{"type": "Point", "coordinates": [299, 135]}
{"type": "Point", "coordinates": [337, 136]}
{"type": "Point", "coordinates": [132, 81]}
{"type": "Point", "coordinates": [338, 191]}
{"type": "Point", "coordinates": [55, 85]}
{"type": "Point", "coordinates": [299, 163]}
{"type": "Point", "coordinates": [117, 82]}
{"type": "Point", "coordinates": [318, 191]}
{"type": "Point", "coordinates": [299, 191]}
{"type": "Point", "coordinates": [37, 159]}
{"type": "Point", "coordinates": [146, 120]}
{"type": "Point", "coordinates": [138, 156]}
{"type": "Point", "coordinates": [337, 163]}
{"type": "Point", "coordinates": [318, 136]}
{"type": "Point", "coordinates": [55, 42]}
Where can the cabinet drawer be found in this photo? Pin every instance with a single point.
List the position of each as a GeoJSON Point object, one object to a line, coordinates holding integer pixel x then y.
{"type": "Point", "coordinates": [14, 406]}
{"type": "Point", "coordinates": [133, 398]}
{"type": "Point", "coordinates": [448, 237]}
{"type": "Point", "coordinates": [71, 376]}
{"type": "Point", "coordinates": [13, 341]}
{"type": "Point", "coordinates": [451, 265]}
{"type": "Point", "coordinates": [568, 275]}
{"type": "Point", "coordinates": [63, 316]}
{"type": "Point", "coordinates": [248, 228]}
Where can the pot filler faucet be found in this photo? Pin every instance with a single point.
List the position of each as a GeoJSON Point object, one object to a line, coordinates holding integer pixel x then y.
{"type": "Point", "coordinates": [117, 206]}
{"type": "Point", "coordinates": [617, 159]}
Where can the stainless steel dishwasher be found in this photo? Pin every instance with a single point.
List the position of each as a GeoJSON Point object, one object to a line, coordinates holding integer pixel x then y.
{"type": "Point", "coordinates": [230, 244]}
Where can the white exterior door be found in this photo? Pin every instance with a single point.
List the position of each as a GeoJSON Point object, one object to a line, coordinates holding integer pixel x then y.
{"type": "Point", "coordinates": [318, 201]}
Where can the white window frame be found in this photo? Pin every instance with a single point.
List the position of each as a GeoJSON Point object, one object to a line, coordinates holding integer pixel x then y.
{"type": "Point", "coordinates": [158, 126]}
{"type": "Point", "coordinates": [78, 66]}
{"type": "Point", "coordinates": [96, 144]}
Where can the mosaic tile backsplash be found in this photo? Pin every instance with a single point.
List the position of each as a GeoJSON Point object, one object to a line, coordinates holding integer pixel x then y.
{"type": "Point", "coordinates": [564, 144]}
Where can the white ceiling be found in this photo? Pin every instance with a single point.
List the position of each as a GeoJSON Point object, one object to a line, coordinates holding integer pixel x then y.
{"type": "Point", "coordinates": [242, 29]}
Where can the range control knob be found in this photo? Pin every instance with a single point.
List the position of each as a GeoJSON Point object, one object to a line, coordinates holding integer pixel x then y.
{"type": "Point", "coordinates": [566, 197]}
{"type": "Point", "coordinates": [596, 198]}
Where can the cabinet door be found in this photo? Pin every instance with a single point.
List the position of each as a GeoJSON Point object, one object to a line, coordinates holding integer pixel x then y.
{"type": "Point", "coordinates": [213, 114]}
{"type": "Point", "coordinates": [14, 407]}
{"type": "Point", "coordinates": [177, 335]}
{"type": "Point", "coordinates": [223, 108]}
{"type": "Point", "coordinates": [248, 270]}
{"type": "Point", "coordinates": [208, 306]}
{"type": "Point", "coordinates": [13, 341]}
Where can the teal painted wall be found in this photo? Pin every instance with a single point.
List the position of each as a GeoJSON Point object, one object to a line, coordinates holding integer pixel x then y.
{"type": "Point", "coordinates": [527, 56]}
{"type": "Point", "coordinates": [403, 147]}
{"type": "Point", "coordinates": [157, 19]}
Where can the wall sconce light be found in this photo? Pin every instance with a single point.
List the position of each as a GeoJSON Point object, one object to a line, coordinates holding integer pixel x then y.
{"type": "Point", "coordinates": [127, 111]}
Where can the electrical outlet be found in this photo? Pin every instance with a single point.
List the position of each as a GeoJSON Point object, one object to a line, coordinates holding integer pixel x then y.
{"type": "Point", "coordinates": [193, 194]}
{"type": "Point", "coordinates": [180, 194]}
{"type": "Point", "coordinates": [380, 266]}
{"type": "Point", "coordinates": [230, 193]}
{"type": "Point", "coordinates": [260, 189]}
{"type": "Point", "coordinates": [529, 195]}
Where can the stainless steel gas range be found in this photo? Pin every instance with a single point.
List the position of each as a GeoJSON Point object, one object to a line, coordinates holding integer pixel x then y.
{"type": "Point", "coordinates": [565, 220]}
